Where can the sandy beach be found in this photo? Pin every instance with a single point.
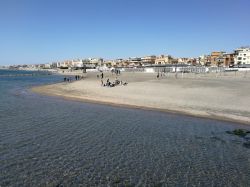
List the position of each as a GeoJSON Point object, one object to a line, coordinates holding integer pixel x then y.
{"type": "Point", "coordinates": [223, 96]}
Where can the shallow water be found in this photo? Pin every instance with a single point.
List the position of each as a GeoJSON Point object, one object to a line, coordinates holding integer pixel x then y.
{"type": "Point", "coordinates": [47, 141]}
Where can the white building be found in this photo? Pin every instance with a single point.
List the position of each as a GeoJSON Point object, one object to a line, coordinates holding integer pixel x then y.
{"type": "Point", "coordinates": [96, 61]}
{"type": "Point", "coordinates": [77, 63]}
{"type": "Point", "coordinates": [47, 66]}
{"type": "Point", "coordinates": [242, 56]}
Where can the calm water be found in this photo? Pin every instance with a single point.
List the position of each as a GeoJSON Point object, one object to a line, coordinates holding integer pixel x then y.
{"type": "Point", "coordinates": [46, 141]}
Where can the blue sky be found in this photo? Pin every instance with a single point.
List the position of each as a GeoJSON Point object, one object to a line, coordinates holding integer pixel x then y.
{"type": "Point", "coordinates": [41, 31]}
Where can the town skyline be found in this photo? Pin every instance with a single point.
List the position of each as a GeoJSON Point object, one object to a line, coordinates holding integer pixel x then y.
{"type": "Point", "coordinates": [239, 58]}
{"type": "Point", "coordinates": [43, 31]}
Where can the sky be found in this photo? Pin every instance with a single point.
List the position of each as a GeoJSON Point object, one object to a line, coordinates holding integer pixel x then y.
{"type": "Point", "coordinates": [43, 31]}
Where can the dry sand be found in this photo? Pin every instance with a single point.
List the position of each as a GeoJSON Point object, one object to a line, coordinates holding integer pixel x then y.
{"type": "Point", "coordinates": [224, 96]}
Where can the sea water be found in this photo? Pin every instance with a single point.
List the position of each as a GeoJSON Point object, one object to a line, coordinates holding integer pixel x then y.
{"type": "Point", "coordinates": [48, 141]}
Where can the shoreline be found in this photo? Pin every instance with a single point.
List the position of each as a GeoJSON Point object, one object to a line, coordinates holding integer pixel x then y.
{"type": "Point", "coordinates": [138, 95]}
{"type": "Point", "coordinates": [169, 111]}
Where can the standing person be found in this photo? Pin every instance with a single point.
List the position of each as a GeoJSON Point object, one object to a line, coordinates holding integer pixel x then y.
{"type": "Point", "coordinates": [102, 75]}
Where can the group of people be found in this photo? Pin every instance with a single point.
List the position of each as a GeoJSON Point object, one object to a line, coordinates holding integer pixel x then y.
{"type": "Point", "coordinates": [67, 79]}
{"type": "Point", "coordinates": [108, 83]}
{"type": "Point", "coordinates": [113, 84]}
{"type": "Point", "coordinates": [78, 77]}
{"type": "Point", "coordinates": [70, 79]}
{"type": "Point", "coordinates": [116, 71]}
{"type": "Point", "coordinates": [160, 74]}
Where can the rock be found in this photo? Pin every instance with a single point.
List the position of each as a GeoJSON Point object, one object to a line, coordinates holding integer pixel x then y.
{"type": "Point", "coordinates": [239, 132]}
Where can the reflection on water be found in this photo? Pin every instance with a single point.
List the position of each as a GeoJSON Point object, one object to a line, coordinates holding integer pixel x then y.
{"type": "Point", "coordinates": [46, 141]}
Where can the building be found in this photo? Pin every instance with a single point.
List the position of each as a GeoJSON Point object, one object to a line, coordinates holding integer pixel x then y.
{"type": "Point", "coordinates": [120, 63]}
{"type": "Point", "coordinates": [135, 61]}
{"type": "Point", "coordinates": [148, 60]}
{"type": "Point", "coordinates": [54, 65]}
{"type": "Point", "coordinates": [182, 60]}
{"type": "Point", "coordinates": [216, 58]}
{"type": "Point", "coordinates": [242, 56]}
{"type": "Point", "coordinates": [47, 66]}
{"type": "Point", "coordinates": [107, 63]}
{"type": "Point", "coordinates": [228, 59]}
{"type": "Point", "coordinates": [64, 65]}
{"type": "Point", "coordinates": [192, 61]}
{"type": "Point", "coordinates": [203, 60]}
{"type": "Point", "coordinates": [96, 61]}
{"type": "Point", "coordinates": [163, 59]}
{"type": "Point", "coordinates": [220, 59]}
{"type": "Point", "coordinates": [77, 63]}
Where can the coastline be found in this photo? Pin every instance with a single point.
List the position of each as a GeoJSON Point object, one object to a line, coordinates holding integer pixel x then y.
{"type": "Point", "coordinates": [89, 90]}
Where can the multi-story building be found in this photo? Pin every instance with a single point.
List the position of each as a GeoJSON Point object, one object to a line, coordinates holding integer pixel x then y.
{"type": "Point", "coordinates": [242, 56]}
{"type": "Point", "coordinates": [54, 65]}
{"type": "Point", "coordinates": [228, 59]}
{"type": "Point", "coordinates": [216, 58]}
{"type": "Point", "coordinates": [221, 59]}
{"type": "Point", "coordinates": [96, 61]}
{"type": "Point", "coordinates": [163, 59]}
{"type": "Point", "coordinates": [203, 60]}
{"type": "Point", "coordinates": [120, 63]}
{"type": "Point", "coordinates": [191, 61]}
{"type": "Point", "coordinates": [182, 60]}
{"type": "Point", "coordinates": [47, 66]}
{"type": "Point", "coordinates": [148, 60]}
{"type": "Point", "coordinates": [135, 61]}
{"type": "Point", "coordinates": [64, 64]}
{"type": "Point", "coordinates": [114, 63]}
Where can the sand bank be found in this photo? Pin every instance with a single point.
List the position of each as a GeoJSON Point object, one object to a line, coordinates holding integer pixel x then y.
{"type": "Point", "coordinates": [224, 96]}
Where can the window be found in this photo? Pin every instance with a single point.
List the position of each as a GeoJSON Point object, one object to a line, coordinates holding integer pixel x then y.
{"type": "Point", "coordinates": [239, 58]}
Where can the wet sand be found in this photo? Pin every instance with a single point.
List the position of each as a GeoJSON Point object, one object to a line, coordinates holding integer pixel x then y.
{"type": "Point", "coordinates": [223, 96]}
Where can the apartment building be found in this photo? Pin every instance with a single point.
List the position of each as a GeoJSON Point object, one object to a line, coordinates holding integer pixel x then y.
{"type": "Point", "coordinates": [242, 56]}
{"type": "Point", "coordinates": [96, 61]}
{"type": "Point", "coordinates": [163, 59]}
{"type": "Point", "coordinates": [148, 60]}
{"type": "Point", "coordinates": [216, 58]}
{"type": "Point", "coordinates": [135, 61]}
{"type": "Point", "coordinates": [182, 60]}
{"type": "Point", "coordinates": [228, 59]}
